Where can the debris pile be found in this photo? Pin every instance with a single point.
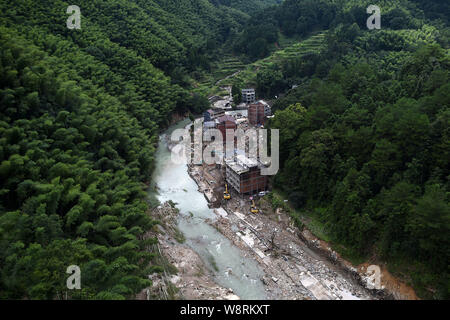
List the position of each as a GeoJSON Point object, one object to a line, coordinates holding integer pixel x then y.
{"type": "Point", "coordinates": [185, 275]}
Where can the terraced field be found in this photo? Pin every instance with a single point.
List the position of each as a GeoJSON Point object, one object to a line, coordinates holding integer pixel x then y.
{"type": "Point", "coordinates": [211, 83]}
{"type": "Point", "coordinates": [299, 49]}
{"type": "Point", "coordinates": [231, 68]}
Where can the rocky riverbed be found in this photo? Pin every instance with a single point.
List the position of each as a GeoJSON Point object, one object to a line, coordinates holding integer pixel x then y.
{"type": "Point", "coordinates": [292, 271]}
{"type": "Point", "coordinates": [186, 276]}
{"type": "Point", "coordinates": [297, 265]}
{"type": "Point", "coordinates": [261, 256]}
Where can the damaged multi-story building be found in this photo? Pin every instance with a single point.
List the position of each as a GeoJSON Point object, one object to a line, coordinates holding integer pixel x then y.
{"type": "Point", "coordinates": [248, 95]}
{"type": "Point", "coordinates": [244, 175]}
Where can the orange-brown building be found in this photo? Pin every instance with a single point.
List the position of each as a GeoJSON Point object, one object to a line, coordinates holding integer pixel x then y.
{"type": "Point", "coordinates": [257, 113]}
{"type": "Point", "coordinates": [224, 123]}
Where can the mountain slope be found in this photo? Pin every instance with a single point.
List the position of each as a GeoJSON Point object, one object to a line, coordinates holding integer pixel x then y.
{"type": "Point", "coordinates": [364, 133]}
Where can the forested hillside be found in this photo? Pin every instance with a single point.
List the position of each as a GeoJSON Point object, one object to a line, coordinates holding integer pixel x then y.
{"type": "Point", "coordinates": [80, 115]}
{"type": "Point", "coordinates": [365, 145]}
{"type": "Point", "coordinates": [364, 118]}
{"type": "Point", "coordinates": [301, 18]}
{"type": "Point", "coordinates": [247, 6]}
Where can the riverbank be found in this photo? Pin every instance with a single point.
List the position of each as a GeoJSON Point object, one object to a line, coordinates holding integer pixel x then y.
{"type": "Point", "coordinates": [389, 287]}
{"type": "Point", "coordinates": [297, 264]}
{"type": "Point", "coordinates": [392, 287]}
{"type": "Point", "coordinates": [292, 271]}
{"type": "Point", "coordinates": [185, 275]}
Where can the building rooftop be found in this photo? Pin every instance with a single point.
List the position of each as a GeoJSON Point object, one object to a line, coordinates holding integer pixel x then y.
{"type": "Point", "coordinates": [236, 167]}
{"type": "Point", "coordinates": [247, 162]}
{"type": "Point", "coordinates": [260, 102]}
{"type": "Point", "coordinates": [209, 124]}
{"type": "Point", "coordinates": [226, 118]}
{"type": "Point", "coordinates": [263, 102]}
{"type": "Point", "coordinates": [241, 163]}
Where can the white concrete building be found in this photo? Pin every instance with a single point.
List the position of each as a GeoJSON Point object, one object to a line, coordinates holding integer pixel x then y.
{"type": "Point", "coordinates": [248, 95]}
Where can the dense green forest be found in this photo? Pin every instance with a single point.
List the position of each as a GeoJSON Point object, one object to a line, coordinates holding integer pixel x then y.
{"type": "Point", "coordinates": [299, 19]}
{"type": "Point", "coordinates": [365, 140]}
{"type": "Point", "coordinates": [80, 115]}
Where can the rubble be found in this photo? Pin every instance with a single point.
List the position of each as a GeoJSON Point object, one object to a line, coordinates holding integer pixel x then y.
{"type": "Point", "coordinates": [192, 279]}
{"type": "Point", "coordinates": [297, 265]}
{"type": "Point", "coordinates": [294, 271]}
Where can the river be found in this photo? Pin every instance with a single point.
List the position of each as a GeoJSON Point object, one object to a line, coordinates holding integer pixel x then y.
{"type": "Point", "coordinates": [226, 262]}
